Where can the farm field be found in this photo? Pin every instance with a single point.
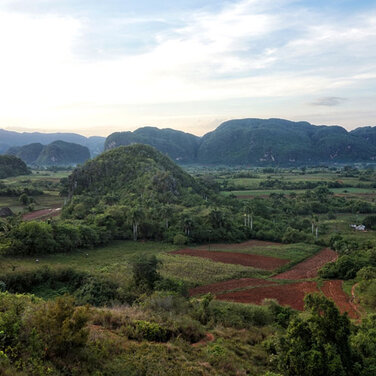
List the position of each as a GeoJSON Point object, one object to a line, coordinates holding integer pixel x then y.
{"type": "Point", "coordinates": [281, 287]}
{"type": "Point", "coordinates": [256, 261]}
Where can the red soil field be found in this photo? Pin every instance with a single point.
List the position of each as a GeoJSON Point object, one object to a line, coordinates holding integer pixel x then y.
{"type": "Point", "coordinates": [44, 213]}
{"type": "Point", "coordinates": [309, 267]}
{"type": "Point", "coordinates": [229, 285]}
{"type": "Point", "coordinates": [287, 295]}
{"type": "Point", "coordinates": [256, 261]}
{"type": "Point", "coordinates": [333, 290]}
{"type": "Point", "coordinates": [244, 245]}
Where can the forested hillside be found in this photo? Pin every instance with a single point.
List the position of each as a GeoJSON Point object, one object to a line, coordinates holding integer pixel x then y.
{"type": "Point", "coordinates": [58, 153]}
{"type": "Point", "coordinates": [179, 146]}
{"type": "Point", "coordinates": [12, 166]}
{"type": "Point", "coordinates": [138, 185]}
{"type": "Point", "coordinates": [259, 142]}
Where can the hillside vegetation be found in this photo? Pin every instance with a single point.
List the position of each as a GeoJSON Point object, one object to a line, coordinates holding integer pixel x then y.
{"type": "Point", "coordinates": [179, 146]}
{"type": "Point", "coordinates": [12, 166]}
{"type": "Point", "coordinates": [58, 153]}
{"type": "Point", "coordinates": [259, 142]}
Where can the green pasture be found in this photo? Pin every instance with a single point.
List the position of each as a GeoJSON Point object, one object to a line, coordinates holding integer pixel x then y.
{"type": "Point", "coordinates": [47, 200]}
{"type": "Point", "coordinates": [113, 261]}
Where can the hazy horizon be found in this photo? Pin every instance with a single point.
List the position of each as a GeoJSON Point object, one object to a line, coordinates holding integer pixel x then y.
{"type": "Point", "coordinates": [94, 68]}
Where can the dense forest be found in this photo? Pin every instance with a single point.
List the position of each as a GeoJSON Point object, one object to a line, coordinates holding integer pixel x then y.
{"type": "Point", "coordinates": [12, 166]}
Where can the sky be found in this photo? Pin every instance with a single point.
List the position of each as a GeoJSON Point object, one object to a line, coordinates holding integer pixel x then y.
{"type": "Point", "coordinates": [99, 66]}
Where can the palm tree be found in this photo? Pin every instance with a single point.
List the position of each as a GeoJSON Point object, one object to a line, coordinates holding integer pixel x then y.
{"type": "Point", "coordinates": [137, 215]}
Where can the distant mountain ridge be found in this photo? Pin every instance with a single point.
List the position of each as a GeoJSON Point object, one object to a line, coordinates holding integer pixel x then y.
{"type": "Point", "coordinates": [258, 142]}
{"type": "Point", "coordinates": [179, 146]}
{"type": "Point", "coordinates": [10, 138]}
{"type": "Point", "coordinates": [57, 153]}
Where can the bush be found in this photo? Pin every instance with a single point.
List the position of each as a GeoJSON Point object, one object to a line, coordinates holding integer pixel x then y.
{"type": "Point", "coordinates": [61, 326]}
{"type": "Point", "coordinates": [145, 330]}
{"type": "Point", "coordinates": [145, 273]}
{"type": "Point", "coordinates": [180, 239]}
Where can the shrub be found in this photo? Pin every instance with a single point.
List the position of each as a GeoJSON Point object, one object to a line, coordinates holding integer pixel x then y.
{"type": "Point", "coordinates": [145, 273]}
{"type": "Point", "coordinates": [61, 326]}
{"type": "Point", "coordinates": [180, 239]}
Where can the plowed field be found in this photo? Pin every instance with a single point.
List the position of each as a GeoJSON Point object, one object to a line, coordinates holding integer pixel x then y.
{"type": "Point", "coordinates": [247, 244]}
{"type": "Point", "coordinates": [44, 213]}
{"type": "Point", "coordinates": [309, 267]}
{"type": "Point", "coordinates": [256, 261]}
{"type": "Point", "coordinates": [229, 285]}
{"type": "Point", "coordinates": [287, 295]}
{"type": "Point", "coordinates": [333, 290]}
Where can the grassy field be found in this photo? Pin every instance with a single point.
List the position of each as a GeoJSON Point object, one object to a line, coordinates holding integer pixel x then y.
{"type": "Point", "coordinates": [351, 191]}
{"type": "Point", "coordinates": [114, 260]}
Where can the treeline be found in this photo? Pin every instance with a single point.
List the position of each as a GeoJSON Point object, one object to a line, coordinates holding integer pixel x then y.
{"type": "Point", "coordinates": [89, 221]}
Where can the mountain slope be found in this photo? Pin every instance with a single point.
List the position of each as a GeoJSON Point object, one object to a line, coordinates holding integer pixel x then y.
{"type": "Point", "coordinates": [58, 153]}
{"type": "Point", "coordinates": [10, 139]}
{"type": "Point", "coordinates": [178, 145]}
{"type": "Point", "coordinates": [132, 171]}
{"type": "Point", "coordinates": [28, 153]}
{"type": "Point", "coordinates": [12, 166]}
{"type": "Point", "coordinates": [259, 142]}
{"type": "Point", "coordinates": [279, 141]}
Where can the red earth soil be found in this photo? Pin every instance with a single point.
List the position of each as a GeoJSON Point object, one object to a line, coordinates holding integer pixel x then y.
{"type": "Point", "coordinates": [41, 214]}
{"type": "Point", "coordinates": [229, 285]}
{"type": "Point", "coordinates": [244, 245]}
{"type": "Point", "coordinates": [208, 338]}
{"type": "Point", "coordinates": [256, 261]}
{"type": "Point", "coordinates": [309, 267]}
{"type": "Point", "coordinates": [333, 290]}
{"type": "Point", "coordinates": [287, 295]}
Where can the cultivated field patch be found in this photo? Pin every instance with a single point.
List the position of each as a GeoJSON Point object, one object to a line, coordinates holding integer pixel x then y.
{"type": "Point", "coordinates": [255, 261]}
{"type": "Point", "coordinates": [310, 267]}
{"type": "Point", "coordinates": [333, 290]}
{"type": "Point", "coordinates": [291, 295]}
{"type": "Point", "coordinates": [230, 285]}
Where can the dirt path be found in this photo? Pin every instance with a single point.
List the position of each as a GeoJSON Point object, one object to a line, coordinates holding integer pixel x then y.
{"type": "Point", "coordinates": [310, 267]}
{"type": "Point", "coordinates": [256, 261]}
{"type": "Point", "coordinates": [39, 214]}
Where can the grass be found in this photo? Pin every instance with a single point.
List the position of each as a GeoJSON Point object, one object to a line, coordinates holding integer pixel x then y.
{"type": "Point", "coordinates": [48, 200]}
{"type": "Point", "coordinates": [114, 260]}
{"type": "Point", "coordinates": [266, 192]}
{"type": "Point", "coordinates": [199, 271]}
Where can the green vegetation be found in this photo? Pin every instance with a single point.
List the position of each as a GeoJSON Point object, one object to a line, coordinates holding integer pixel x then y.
{"type": "Point", "coordinates": [57, 153]}
{"type": "Point", "coordinates": [12, 166]}
{"type": "Point", "coordinates": [179, 146]}
{"type": "Point", "coordinates": [79, 296]}
{"type": "Point", "coordinates": [259, 142]}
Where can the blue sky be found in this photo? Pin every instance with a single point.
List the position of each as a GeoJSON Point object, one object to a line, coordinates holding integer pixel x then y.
{"type": "Point", "coordinates": [95, 67]}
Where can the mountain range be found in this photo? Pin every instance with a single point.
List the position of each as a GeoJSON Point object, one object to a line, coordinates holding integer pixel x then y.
{"type": "Point", "coordinates": [57, 153]}
{"type": "Point", "coordinates": [258, 142]}
{"type": "Point", "coordinates": [235, 142]}
{"type": "Point", "coordinates": [9, 138]}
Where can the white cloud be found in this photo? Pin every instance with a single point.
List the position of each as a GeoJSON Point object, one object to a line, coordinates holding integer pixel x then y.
{"type": "Point", "coordinates": [250, 49]}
